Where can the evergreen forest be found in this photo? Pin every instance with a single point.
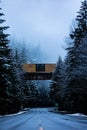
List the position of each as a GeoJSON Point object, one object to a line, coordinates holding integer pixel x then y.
{"type": "Point", "coordinates": [68, 86]}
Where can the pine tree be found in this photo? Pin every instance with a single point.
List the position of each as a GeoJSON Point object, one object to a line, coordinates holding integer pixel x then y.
{"type": "Point", "coordinates": [56, 83]}
{"type": "Point", "coordinates": [8, 79]}
{"type": "Point", "coordinates": [81, 21]}
{"type": "Point", "coordinates": [4, 66]}
{"type": "Point", "coordinates": [76, 65]}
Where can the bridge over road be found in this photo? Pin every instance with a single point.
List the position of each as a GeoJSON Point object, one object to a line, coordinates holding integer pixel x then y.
{"type": "Point", "coordinates": [38, 71]}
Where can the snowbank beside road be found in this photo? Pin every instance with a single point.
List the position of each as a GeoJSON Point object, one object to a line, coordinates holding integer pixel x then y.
{"type": "Point", "coordinates": [78, 114]}
{"type": "Point", "coordinates": [21, 112]}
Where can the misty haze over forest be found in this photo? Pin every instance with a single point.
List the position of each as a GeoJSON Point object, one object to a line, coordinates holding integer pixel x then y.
{"type": "Point", "coordinates": [46, 23]}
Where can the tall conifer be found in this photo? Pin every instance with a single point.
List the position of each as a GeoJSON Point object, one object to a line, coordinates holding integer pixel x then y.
{"type": "Point", "coordinates": [76, 65]}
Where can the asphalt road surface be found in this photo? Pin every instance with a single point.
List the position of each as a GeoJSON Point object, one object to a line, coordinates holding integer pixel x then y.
{"type": "Point", "coordinates": [41, 119]}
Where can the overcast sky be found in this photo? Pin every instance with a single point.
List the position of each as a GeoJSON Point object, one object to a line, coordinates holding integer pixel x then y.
{"type": "Point", "coordinates": [46, 22]}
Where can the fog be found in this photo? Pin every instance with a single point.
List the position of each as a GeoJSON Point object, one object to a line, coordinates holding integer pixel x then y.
{"type": "Point", "coordinates": [43, 22]}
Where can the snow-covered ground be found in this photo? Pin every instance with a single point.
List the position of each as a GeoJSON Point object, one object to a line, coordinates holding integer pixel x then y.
{"type": "Point", "coordinates": [78, 114]}
{"type": "Point", "coordinates": [21, 112]}
{"type": "Point", "coordinates": [18, 113]}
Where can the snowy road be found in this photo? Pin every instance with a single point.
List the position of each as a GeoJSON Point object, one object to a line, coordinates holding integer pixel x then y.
{"type": "Point", "coordinates": [41, 119]}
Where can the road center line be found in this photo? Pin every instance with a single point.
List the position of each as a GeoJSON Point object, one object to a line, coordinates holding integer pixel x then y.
{"type": "Point", "coordinates": [41, 128]}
